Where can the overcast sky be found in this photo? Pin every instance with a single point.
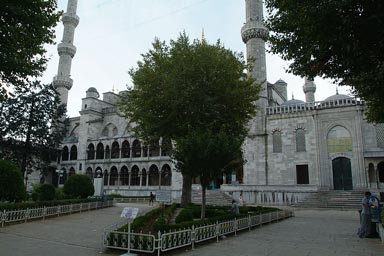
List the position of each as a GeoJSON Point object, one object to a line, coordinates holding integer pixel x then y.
{"type": "Point", "coordinates": [112, 35]}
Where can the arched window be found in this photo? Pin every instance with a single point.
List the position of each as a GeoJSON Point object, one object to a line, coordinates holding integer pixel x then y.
{"type": "Point", "coordinates": [136, 148]}
{"type": "Point", "coordinates": [91, 152]}
{"type": "Point", "coordinates": [154, 150]}
{"type": "Point", "coordinates": [380, 169]}
{"type": "Point", "coordinates": [166, 147]}
{"type": "Point", "coordinates": [135, 178]}
{"type": "Point", "coordinates": [153, 177]}
{"type": "Point", "coordinates": [100, 151]}
{"type": "Point", "coordinates": [71, 172]}
{"type": "Point", "coordinates": [339, 140]}
{"type": "Point", "coordinates": [65, 154]}
{"type": "Point", "coordinates": [105, 176]}
{"type": "Point", "coordinates": [98, 172]}
{"type": "Point", "coordinates": [124, 176]}
{"type": "Point", "coordinates": [114, 131]}
{"type": "Point", "coordinates": [125, 149]}
{"type": "Point", "coordinates": [114, 176]}
{"type": "Point", "coordinates": [380, 135]}
{"type": "Point", "coordinates": [276, 141]}
{"type": "Point", "coordinates": [73, 155]}
{"type": "Point", "coordinates": [143, 177]}
{"type": "Point", "coordinates": [89, 172]}
{"type": "Point", "coordinates": [107, 152]}
{"type": "Point", "coordinates": [300, 140]}
{"type": "Point", "coordinates": [115, 150]}
{"type": "Point", "coordinates": [166, 175]}
{"type": "Point", "coordinates": [145, 151]}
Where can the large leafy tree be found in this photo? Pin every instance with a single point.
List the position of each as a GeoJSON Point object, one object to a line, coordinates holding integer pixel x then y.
{"type": "Point", "coordinates": [339, 39]}
{"type": "Point", "coordinates": [25, 28]}
{"type": "Point", "coordinates": [188, 86]}
{"type": "Point", "coordinates": [32, 125]}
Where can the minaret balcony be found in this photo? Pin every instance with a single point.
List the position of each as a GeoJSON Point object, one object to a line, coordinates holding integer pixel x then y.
{"type": "Point", "coordinates": [66, 49]}
{"type": "Point", "coordinates": [62, 81]}
{"type": "Point", "coordinates": [253, 29]}
{"type": "Point", "coordinates": [70, 18]}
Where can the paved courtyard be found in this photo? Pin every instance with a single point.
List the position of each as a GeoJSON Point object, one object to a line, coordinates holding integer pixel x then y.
{"type": "Point", "coordinates": [310, 232]}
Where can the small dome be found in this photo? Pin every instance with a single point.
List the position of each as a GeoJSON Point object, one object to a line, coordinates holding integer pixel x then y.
{"type": "Point", "coordinates": [92, 89]}
{"type": "Point", "coordinates": [292, 102]}
{"type": "Point", "coordinates": [337, 97]}
{"type": "Point", "coordinates": [280, 81]}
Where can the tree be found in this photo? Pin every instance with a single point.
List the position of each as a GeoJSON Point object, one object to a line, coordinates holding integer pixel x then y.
{"type": "Point", "coordinates": [31, 125]}
{"type": "Point", "coordinates": [340, 40]}
{"type": "Point", "coordinates": [11, 182]}
{"type": "Point", "coordinates": [187, 86]}
{"type": "Point", "coordinates": [25, 28]}
{"type": "Point", "coordinates": [79, 185]}
{"type": "Point", "coordinates": [207, 155]}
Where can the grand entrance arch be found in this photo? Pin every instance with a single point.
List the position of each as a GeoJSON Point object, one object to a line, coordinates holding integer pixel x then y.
{"type": "Point", "coordinates": [342, 175]}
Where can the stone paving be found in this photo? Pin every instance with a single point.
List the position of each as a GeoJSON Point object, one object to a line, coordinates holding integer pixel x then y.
{"type": "Point", "coordinates": [310, 232]}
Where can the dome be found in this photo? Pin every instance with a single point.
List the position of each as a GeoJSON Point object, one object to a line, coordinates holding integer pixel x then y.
{"type": "Point", "coordinates": [92, 89]}
{"type": "Point", "coordinates": [337, 97]}
{"type": "Point", "coordinates": [292, 102]}
{"type": "Point", "coordinates": [280, 81]}
{"type": "Point", "coordinates": [92, 93]}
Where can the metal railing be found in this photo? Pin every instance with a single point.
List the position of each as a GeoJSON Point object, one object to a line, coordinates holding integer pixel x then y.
{"type": "Point", "coordinates": [162, 242]}
{"type": "Point", "coordinates": [43, 212]}
{"type": "Point", "coordinates": [131, 200]}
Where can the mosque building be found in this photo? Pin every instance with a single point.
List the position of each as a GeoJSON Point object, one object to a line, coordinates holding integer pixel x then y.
{"type": "Point", "coordinates": [293, 148]}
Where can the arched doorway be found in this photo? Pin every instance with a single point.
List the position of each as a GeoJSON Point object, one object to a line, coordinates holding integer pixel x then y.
{"type": "Point", "coordinates": [342, 175]}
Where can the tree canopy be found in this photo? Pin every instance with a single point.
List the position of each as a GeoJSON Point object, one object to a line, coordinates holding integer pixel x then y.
{"type": "Point", "coordinates": [31, 124]}
{"type": "Point", "coordinates": [186, 91]}
{"type": "Point", "coordinates": [25, 28]}
{"type": "Point", "coordinates": [341, 40]}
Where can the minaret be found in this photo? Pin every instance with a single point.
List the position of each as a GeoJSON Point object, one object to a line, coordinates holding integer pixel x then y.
{"type": "Point", "coordinates": [309, 89]}
{"type": "Point", "coordinates": [255, 146]}
{"type": "Point", "coordinates": [62, 81]}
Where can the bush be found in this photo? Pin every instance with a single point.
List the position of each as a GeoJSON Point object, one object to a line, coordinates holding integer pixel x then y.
{"type": "Point", "coordinates": [11, 182]}
{"type": "Point", "coordinates": [44, 192]}
{"type": "Point", "coordinates": [184, 215]}
{"type": "Point", "coordinates": [79, 185]}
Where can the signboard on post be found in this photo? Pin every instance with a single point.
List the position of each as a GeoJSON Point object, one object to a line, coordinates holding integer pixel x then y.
{"type": "Point", "coordinates": [129, 213]}
{"type": "Point", "coordinates": [163, 196]}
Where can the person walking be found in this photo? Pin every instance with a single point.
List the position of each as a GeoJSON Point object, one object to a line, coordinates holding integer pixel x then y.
{"type": "Point", "coordinates": [151, 198]}
{"type": "Point", "coordinates": [365, 217]}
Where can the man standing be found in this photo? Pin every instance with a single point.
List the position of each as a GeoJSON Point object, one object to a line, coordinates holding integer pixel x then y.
{"type": "Point", "coordinates": [365, 228]}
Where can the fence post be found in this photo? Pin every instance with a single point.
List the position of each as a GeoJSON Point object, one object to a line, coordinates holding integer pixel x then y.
{"type": "Point", "coordinates": [44, 212]}
{"type": "Point", "coordinates": [89, 206]}
{"type": "Point", "coordinates": [270, 217]}
{"type": "Point", "coordinates": [261, 220]}
{"type": "Point", "coordinates": [193, 237]}
{"type": "Point", "coordinates": [217, 231]}
{"type": "Point", "coordinates": [159, 245]}
{"type": "Point", "coordinates": [81, 206]}
{"type": "Point", "coordinates": [26, 214]}
{"type": "Point", "coordinates": [58, 210]}
{"type": "Point", "coordinates": [249, 222]}
{"type": "Point", "coordinates": [3, 216]}
{"type": "Point", "coordinates": [70, 208]}
{"type": "Point", "coordinates": [235, 226]}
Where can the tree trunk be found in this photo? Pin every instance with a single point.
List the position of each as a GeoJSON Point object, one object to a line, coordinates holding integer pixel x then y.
{"type": "Point", "coordinates": [203, 195]}
{"type": "Point", "coordinates": [186, 194]}
{"type": "Point", "coordinates": [27, 140]}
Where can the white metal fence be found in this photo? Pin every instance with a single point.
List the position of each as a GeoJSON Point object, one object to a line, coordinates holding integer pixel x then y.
{"type": "Point", "coordinates": [43, 212]}
{"type": "Point", "coordinates": [149, 243]}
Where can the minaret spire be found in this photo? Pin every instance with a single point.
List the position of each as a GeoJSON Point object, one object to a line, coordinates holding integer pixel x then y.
{"type": "Point", "coordinates": [252, 33]}
{"type": "Point", "coordinates": [309, 89]}
{"type": "Point", "coordinates": [62, 81]}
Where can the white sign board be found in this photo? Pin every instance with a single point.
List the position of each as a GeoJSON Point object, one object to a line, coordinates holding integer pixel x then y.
{"type": "Point", "coordinates": [129, 213]}
{"type": "Point", "coordinates": [163, 196]}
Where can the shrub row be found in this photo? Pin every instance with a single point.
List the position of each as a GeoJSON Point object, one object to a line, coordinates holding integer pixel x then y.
{"type": "Point", "coordinates": [38, 204]}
